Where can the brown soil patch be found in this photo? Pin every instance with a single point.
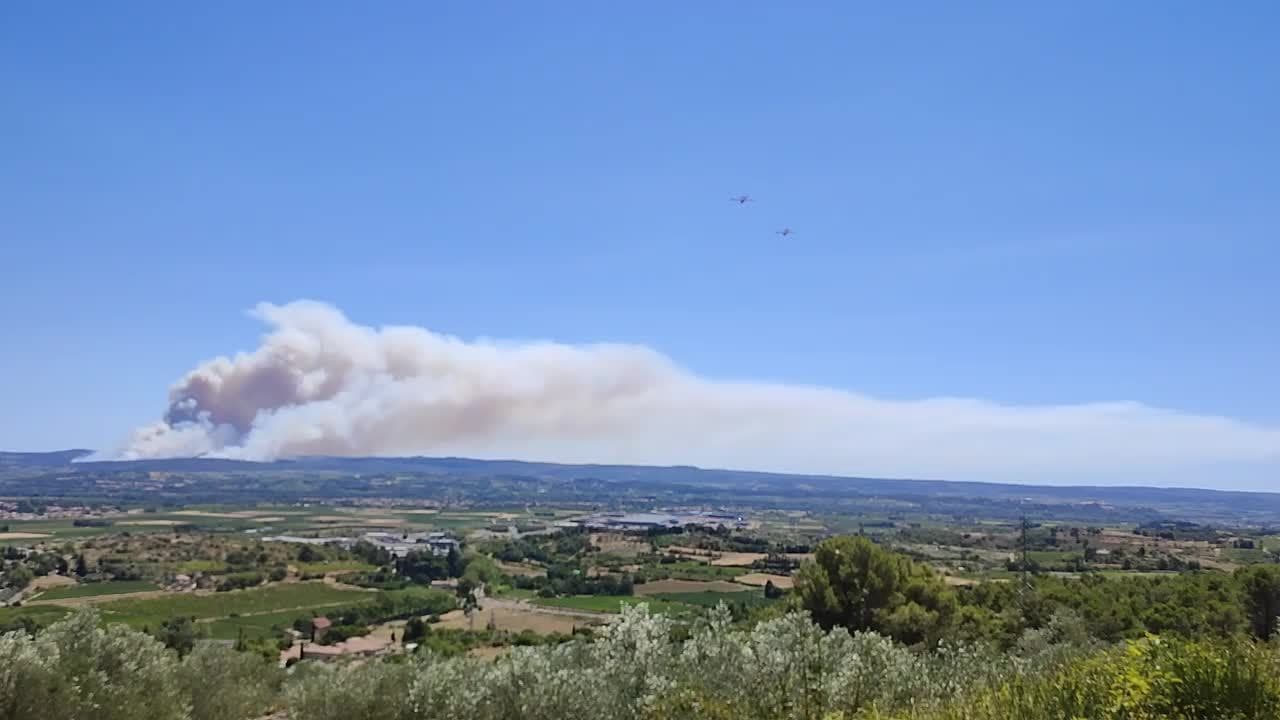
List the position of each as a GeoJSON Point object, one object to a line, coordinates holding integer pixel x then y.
{"type": "Point", "coordinates": [658, 587]}
{"type": "Point", "coordinates": [729, 559]}
{"type": "Point", "coordinates": [269, 518]}
{"type": "Point", "coordinates": [619, 544]}
{"type": "Point", "coordinates": [682, 550]}
{"type": "Point", "coordinates": [44, 582]}
{"type": "Point", "coordinates": [512, 620]}
{"type": "Point", "coordinates": [759, 579]}
{"type": "Point", "coordinates": [737, 559]}
{"type": "Point", "coordinates": [22, 536]}
{"type": "Point", "coordinates": [954, 581]}
{"type": "Point", "coordinates": [742, 559]}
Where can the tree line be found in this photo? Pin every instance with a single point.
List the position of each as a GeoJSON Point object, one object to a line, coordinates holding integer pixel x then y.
{"type": "Point", "coordinates": [856, 584]}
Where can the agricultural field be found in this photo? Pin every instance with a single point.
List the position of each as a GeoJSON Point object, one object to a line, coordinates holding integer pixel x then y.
{"type": "Point", "coordinates": [689, 570]}
{"type": "Point", "coordinates": [61, 530]}
{"type": "Point", "coordinates": [23, 536]}
{"type": "Point", "coordinates": [659, 587]}
{"type": "Point", "coordinates": [783, 582]}
{"type": "Point", "coordinates": [514, 620]}
{"type": "Point", "coordinates": [270, 599]}
{"type": "Point", "coordinates": [710, 599]}
{"type": "Point", "coordinates": [40, 614]}
{"type": "Point", "coordinates": [86, 590]}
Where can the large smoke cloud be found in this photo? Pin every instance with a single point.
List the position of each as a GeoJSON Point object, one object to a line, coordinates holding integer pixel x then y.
{"type": "Point", "coordinates": [322, 385]}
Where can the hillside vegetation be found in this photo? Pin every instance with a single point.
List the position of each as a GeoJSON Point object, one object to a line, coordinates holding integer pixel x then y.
{"type": "Point", "coordinates": [867, 633]}
{"type": "Point", "coordinates": [644, 668]}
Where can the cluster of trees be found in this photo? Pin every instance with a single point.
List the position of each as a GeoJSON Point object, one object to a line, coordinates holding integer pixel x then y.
{"type": "Point", "coordinates": [363, 550]}
{"type": "Point", "coordinates": [856, 584]}
{"type": "Point", "coordinates": [249, 579]}
{"type": "Point", "coordinates": [20, 567]}
{"type": "Point", "coordinates": [119, 568]}
{"type": "Point", "coordinates": [395, 605]}
{"type": "Point", "coordinates": [424, 566]}
{"type": "Point", "coordinates": [92, 522]}
{"type": "Point", "coordinates": [337, 633]}
{"type": "Point", "coordinates": [572, 579]}
{"type": "Point", "coordinates": [722, 539]}
{"type": "Point", "coordinates": [1177, 530]}
{"type": "Point", "coordinates": [543, 549]}
{"type": "Point", "coordinates": [776, 563]}
{"type": "Point", "coordinates": [934, 535]}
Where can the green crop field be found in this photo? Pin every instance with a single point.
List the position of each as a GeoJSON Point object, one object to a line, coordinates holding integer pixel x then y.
{"type": "Point", "coordinates": [97, 589]}
{"type": "Point", "coordinates": [691, 570]}
{"type": "Point", "coordinates": [66, 528]}
{"type": "Point", "coordinates": [270, 599]}
{"type": "Point", "coordinates": [41, 614]}
{"type": "Point", "coordinates": [710, 599]}
{"type": "Point", "coordinates": [253, 626]}
{"type": "Point", "coordinates": [426, 600]}
{"type": "Point", "coordinates": [1053, 557]}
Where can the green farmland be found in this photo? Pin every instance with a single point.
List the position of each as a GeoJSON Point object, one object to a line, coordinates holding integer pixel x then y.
{"type": "Point", "coordinates": [97, 589]}
{"type": "Point", "coordinates": [710, 599]}
{"type": "Point", "coordinates": [612, 603]}
{"type": "Point", "coordinates": [40, 614]}
{"type": "Point", "coordinates": [270, 599]}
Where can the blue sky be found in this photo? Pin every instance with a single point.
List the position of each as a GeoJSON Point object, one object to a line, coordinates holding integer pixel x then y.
{"type": "Point", "coordinates": [1015, 202]}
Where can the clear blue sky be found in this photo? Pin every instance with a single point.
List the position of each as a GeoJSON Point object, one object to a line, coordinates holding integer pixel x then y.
{"type": "Point", "coordinates": [1017, 202]}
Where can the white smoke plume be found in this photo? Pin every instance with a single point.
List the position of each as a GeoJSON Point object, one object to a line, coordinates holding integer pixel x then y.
{"type": "Point", "coordinates": [320, 384]}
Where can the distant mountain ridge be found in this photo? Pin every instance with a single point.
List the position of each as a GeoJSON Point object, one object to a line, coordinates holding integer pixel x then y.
{"type": "Point", "coordinates": [42, 459]}
{"type": "Point", "coordinates": [1115, 495]}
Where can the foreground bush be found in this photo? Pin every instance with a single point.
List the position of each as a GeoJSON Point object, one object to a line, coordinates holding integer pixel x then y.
{"type": "Point", "coordinates": [1144, 680]}
{"type": "Point", "coordinates": [787, 668]}
{"type": "Point", "coordinates": [76, 670]}
{"type": "Point", "coordinates": [783, 668]}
